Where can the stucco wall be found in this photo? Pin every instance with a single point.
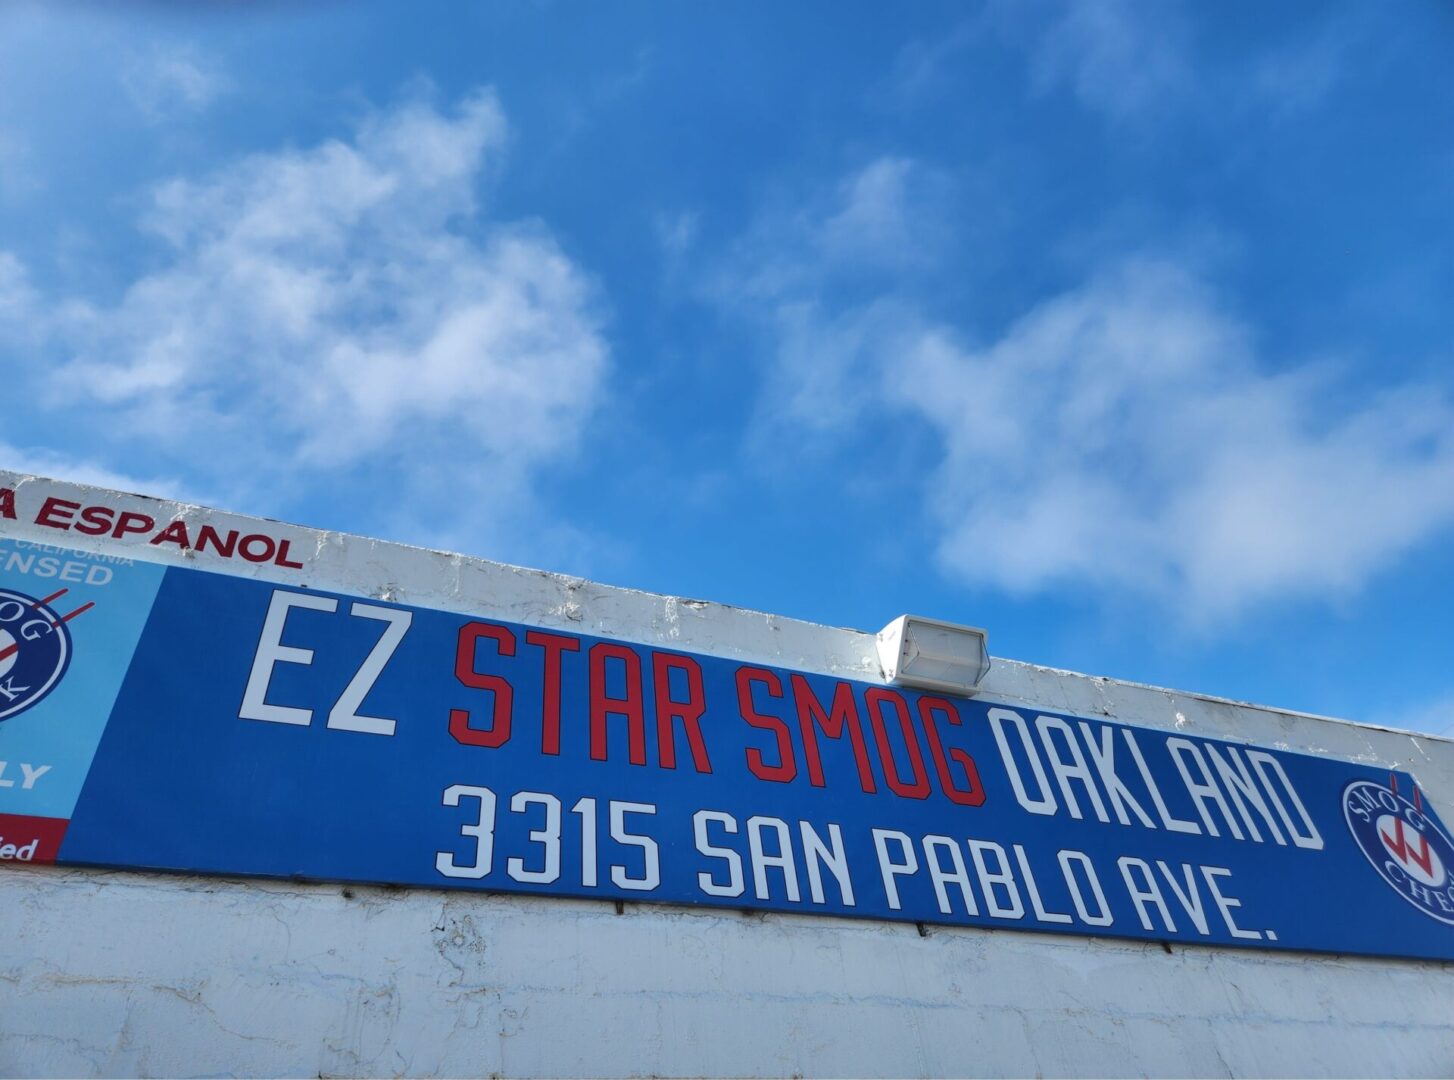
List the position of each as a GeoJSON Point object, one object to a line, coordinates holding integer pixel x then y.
{"type": "Point", "coordinates": [110, 973]}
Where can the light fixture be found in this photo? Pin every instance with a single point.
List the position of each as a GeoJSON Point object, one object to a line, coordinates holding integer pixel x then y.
{"type": "Point", "coordinates": [934, 655]}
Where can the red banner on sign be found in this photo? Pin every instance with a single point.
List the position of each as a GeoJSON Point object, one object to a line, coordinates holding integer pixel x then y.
{"type": "Point", "coordinates": [30, 839]}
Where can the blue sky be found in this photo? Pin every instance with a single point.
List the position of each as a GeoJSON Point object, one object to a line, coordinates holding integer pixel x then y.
{"type": "Point", "coordinates": [1122, 329]}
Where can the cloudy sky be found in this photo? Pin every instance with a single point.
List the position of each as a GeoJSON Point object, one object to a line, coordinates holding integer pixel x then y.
{"type": "Point", "coordinates": [1125, 330]}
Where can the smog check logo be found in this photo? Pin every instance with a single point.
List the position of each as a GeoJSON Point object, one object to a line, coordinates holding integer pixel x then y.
{"type": "Point", "coordinates": [35, 648]}
{"type": "Point", "coordinates": [1404, 845]}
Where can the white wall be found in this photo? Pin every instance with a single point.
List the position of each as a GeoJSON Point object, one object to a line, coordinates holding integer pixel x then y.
{"type": "Point", "coordinates": [121, 974]}
{"type": "Point", "coordinates": [111, 973]}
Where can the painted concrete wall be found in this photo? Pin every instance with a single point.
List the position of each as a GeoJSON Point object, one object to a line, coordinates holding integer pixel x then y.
{"type": "Point", "coordinates": [121, 973]}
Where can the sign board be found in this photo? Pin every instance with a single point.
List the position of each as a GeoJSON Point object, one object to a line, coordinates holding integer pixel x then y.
{"type": "Point", "coordinates": [177, 694]}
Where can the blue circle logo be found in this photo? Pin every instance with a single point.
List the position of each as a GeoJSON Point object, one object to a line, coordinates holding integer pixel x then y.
{"type": "Point", "coordinates": [1409, 851]}
{"type": "Point", "coordinates": [35, 650]}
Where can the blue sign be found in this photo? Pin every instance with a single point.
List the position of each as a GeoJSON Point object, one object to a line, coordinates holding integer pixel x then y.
{"type": "Point", "coordinates": [186, 720]}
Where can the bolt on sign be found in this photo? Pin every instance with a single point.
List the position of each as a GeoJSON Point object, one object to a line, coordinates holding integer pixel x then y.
{"type": "Point", "coordinates": [186, 690]}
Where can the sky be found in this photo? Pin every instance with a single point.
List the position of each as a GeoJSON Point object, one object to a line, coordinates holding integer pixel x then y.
{"type": "Point", "coordinates": [1124, 330]}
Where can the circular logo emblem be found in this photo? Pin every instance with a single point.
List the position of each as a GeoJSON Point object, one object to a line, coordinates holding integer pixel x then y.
{"type": "Point", "coordinates": [35, 650]}
{"type": "Point", "coordinates": [1404, 845]}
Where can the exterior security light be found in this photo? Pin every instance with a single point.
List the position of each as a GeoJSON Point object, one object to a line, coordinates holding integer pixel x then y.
{"type": "Point", "coordinates": [934, 655]}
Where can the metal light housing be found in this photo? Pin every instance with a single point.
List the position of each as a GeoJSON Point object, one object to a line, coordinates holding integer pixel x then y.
{"type": "Point", "coordinates": [934, 655]}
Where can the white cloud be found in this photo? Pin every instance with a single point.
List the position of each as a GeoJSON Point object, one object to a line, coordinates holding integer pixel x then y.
{"type": "Point", "coordinates": [347, 307]}
{"type": "Point", "coordinates": [883, 218]}
{"type": "Point", "coordinates": [1301, 74]}
{"type": "Point", "coordinates": [875, 226]}
{"type": "Point", "coordinates": [676, 233]}
{"type": "Point", "coordinates": [828, 366]}
{"type": "Point", "coordinates": [1124, 436]}
{"type": "Point", "coordinates": [173, 81]}
{"type": "Point", "coordinates": [923, 66]}
{"type": "Point", "coordinates": [1119, 57]}
{"type": "Point", "coordinates": [1137, 60]}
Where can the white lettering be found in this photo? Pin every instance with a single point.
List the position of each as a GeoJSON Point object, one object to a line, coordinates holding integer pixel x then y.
{"type": "Point", "coordinates": [272, 651]}
{"type": "Point", "coordinates": [1202, 791]}
{"type": "Point", "coordinates": [1171, 823]}
{"type": "Point", "coordinates": [1104, 758]}
{"type": "Point", "coordinates": [1146, 893]}
{"type": "Point", "coordinates": [344, 714]}
{"type": "Point", "coordinates": [547, 837]}
{"type": "Point", "coordinates": [889, 869]}
{"type": "Point", "coordinates": [958, 873]}
{"type": "Point", "coordinates": [1191, 899]}
{"type": "Point", "coordinates": [762, 860]}
{"type": "Point", "coordinates": [482, 829]}
{"type": "Point", "coordinates": [651, 873]}
{"type": "Point", "coordinates": [734, 887]}
{"type": "Point", "coordinates": [1012, 908]}
{"type": "Point", "coordinates": [1034, 891]}
{"type": "Point", "coordinates": [1066, 771]}
{"type": "Point", "coordinates": [1045, 804]}
{"type": "Point", "coordinates": [1225, 904]}
{"type": "Point", "coordinates": [1239, 784]}
{"type": "Point", "coordinates": [1103, 916]}
{"type": "Point", "coordinates": [835, 858]}
{"type": "Point", "coordinates": [1310, 837]}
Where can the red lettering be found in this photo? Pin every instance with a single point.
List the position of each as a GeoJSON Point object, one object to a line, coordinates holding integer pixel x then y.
{"type": "Point", "coordinates": [875, 697]}
{"type": "Point", "coordinates": [95, 520]}
{"type": "Point", "coordinates": [208, 535]}
{"type": "Point", "coordinates": [498, 732]}
{"type": "Point", "coordinates": [175, 533]}
{"type": "Point", "coordinates": [787, 767]}
{"type": "Point", "coordinates": [554, 645]}
{"type": "Point", "coordinates": [811, 717]}
{"type": "Point", "coordinates": [7, 503]}
{"type": "Point", "coordinates": [282, 559]}
{"type": "Point", "coordinates": [255, 555]}
{"type": "Point", "coordinates": [689, 712]}
{"type": "Point", "coordinates": [51, 507]}
{"type": "Point", "coordinates": [604, 706]}
{"type": "Point", "coordinates": [973, 795]}
{"type": "Point", "coordinates": [132, 522]}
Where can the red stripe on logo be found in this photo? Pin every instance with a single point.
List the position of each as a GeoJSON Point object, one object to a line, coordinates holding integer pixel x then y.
{"type": "Point", "coordinates": [1405, 852]}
